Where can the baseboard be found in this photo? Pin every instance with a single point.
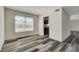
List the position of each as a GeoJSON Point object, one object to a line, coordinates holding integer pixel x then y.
{"type": "Point", "coordinates": [15, 39]}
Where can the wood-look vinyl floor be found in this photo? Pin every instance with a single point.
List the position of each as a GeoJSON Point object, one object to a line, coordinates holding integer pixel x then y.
{"type": "Point", "coordinates": [38, 43]}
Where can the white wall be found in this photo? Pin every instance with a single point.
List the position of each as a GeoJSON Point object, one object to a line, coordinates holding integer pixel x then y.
{"type": "Point", "coordinates": [55, 25]}
{"type": "Point", "coordinates": [2, 31]}
{"type": "Point", "coordinates": [74, 25]}
{"type": "Point", "coordinates": [59, 25]}
{"type": "Point", "coordinates": [74, 22]}
{"type": "Point", "coordinates": [65, 24]}
{"type": "Point", "coordinates": [10, 24]}
{"type": "Point", "coordinates": [41, 26]}
{"type": "Point", "coordinates": [74, 17]}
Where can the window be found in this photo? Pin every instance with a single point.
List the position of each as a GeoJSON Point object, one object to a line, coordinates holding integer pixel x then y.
{"type": "Point", "coordinates": [23, 23]}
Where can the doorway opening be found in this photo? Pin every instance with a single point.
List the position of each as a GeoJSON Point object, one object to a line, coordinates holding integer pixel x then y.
{"type": "Point", "coordinates": [46, 26]}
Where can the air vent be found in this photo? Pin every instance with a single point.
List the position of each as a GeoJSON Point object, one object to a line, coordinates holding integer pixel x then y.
{"type": "Point", "coordinates": [56, 10]}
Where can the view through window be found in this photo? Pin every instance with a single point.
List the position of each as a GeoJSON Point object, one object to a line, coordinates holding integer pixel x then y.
{"type": "Point", "coordinates": [23, 23]}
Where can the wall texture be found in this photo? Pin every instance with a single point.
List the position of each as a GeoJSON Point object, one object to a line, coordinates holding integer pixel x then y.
{"type": "Point", "coordinates": [59, 24]}
{"type": "Point", "coordinates": [55, 25]}
{"type": "Point", "coordinates": [10, 24]}
{"type": "Point", "coordinates": [2, 27]}
{"type": "Point", "coordinates": [41, 26]}
{"type": "Point", "coordinates": [74, 25]}
{"type": "Point", "coordinates": [65, 24]}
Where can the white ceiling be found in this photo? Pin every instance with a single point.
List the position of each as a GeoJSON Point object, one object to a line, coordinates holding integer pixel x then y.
{"type": "Point", "coordinates": [40, 10]}
{"type": "Point", "coordinates": [37, 10]}
{"type": "Point", "coordinates": [72, 10]}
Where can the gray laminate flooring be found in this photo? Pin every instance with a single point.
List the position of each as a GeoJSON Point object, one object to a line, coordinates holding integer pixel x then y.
{"type": "Point", "coordinates": [37, 43]}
